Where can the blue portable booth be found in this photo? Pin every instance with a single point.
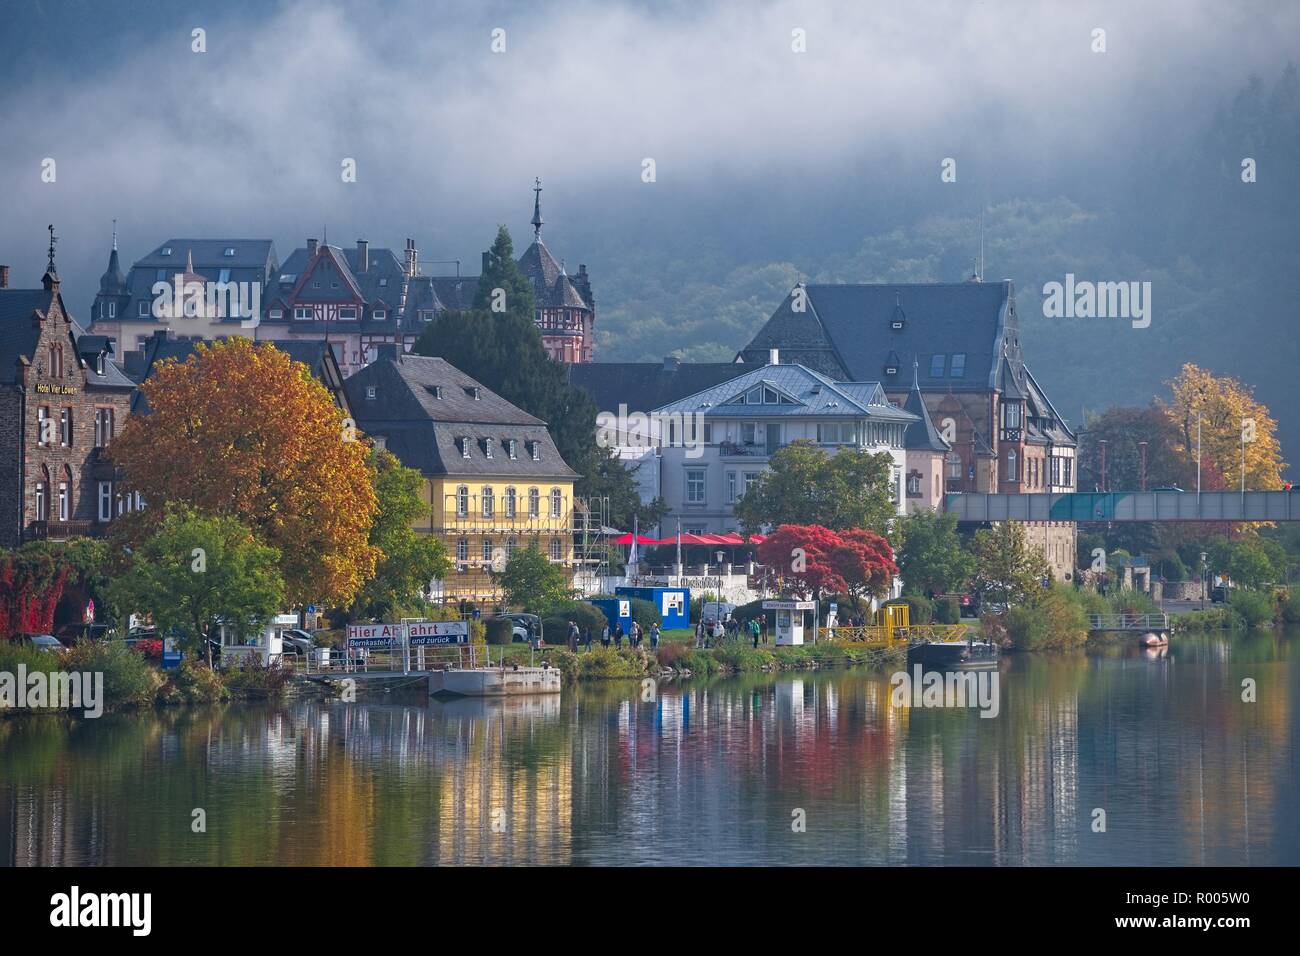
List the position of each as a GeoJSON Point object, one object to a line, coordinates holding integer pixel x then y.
{"type": "Point", "coordinates": [616, 609]}
{"type": "Point", "coordinates": [674, 604]}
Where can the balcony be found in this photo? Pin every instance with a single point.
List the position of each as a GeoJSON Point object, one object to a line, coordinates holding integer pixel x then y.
{"type": "Point", "coordinates": [59, 530]}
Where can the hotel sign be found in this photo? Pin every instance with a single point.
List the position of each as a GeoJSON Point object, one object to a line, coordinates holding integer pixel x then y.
{"type": "Point", "coordinates": [56, 390]}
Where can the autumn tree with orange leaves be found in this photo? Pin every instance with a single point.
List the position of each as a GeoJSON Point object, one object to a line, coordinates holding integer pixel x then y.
{"type": "Point", "coordinates": [242, 430]}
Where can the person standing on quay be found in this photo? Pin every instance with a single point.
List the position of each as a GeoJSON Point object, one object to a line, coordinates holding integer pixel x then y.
{"type": "Point", "coordinates": [654, 636]}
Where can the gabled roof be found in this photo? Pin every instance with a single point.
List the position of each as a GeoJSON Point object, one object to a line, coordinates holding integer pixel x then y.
{"type": "Point", "coordinates": [921, 435]}
{"type": "Point", "coordinates": [847, 330]}
{"type": "Point", "coordinates": [210, 254]}
{"type": "Point", "coordinates": [642, 386]}
{"type": "Point", "coordinates": [813, 394]}
{"type": "Point", "coordinates": [425, 407]}
{"type": "Point", "coordinates": [18, 332]}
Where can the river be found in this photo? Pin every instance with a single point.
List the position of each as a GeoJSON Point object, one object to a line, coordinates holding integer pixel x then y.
{"type": "Point", "coordinates": [811, 768]}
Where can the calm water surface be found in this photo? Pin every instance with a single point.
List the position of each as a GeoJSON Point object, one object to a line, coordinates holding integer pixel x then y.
{"type": "Point", "coordinates": [707, 773]}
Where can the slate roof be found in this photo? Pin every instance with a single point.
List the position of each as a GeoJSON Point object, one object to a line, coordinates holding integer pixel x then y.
{"type": "Point", "coordinates": [813, 394]}
{"type": "Point", "coordinates": [456, 292]}
{"type": "Point", "coordinates": [19, 335]}
{"type": "Point", "coordinates": [424, 406]}
{"type": "Point", "coordinates": [643, 386]}
{"type": "Point", "coordinates": [847, 330]}
{"type": "Point", "coordinates": [552, 288]}
{"type": "Point", "coordinates": [921, 435]}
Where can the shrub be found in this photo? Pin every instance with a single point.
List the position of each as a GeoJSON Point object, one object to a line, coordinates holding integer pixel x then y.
{"type": "Point", "coordinates": [645, 613]}
{"type": "Point", "coordinates": [1253, 608]}
{"type": "Point", "coordinates": [129, 681]}
{"type": "Point", "coordinates": [611, 664]}
{"type": "Point", "coordinates": [1131, 602]}
{"type": "Point", "coordinates": [1026, 627]}
{"type": "Point", "coordinates": [922, 608]}
{"type": "Point", "coordinates": [555, 631]}
{"type": "Point", "coordinates": [193, 682]}
{"type": "Point", "coordinates": [1289, 607]}
{"type": "Point", "coordinates": [584, 614]}
{"type": "Point", "coordinates": [254, 679]}
{"type": "Point", "coordinates": [499, 630]}
{"type": "Point", "coordinates": [947, 611]}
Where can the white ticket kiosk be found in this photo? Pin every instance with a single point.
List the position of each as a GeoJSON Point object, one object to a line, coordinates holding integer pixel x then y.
{"type": "Point", "coordinates": [789, 620]}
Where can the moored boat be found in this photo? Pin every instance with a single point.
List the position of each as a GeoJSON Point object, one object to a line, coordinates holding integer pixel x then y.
{"type": "Point", "coordinates": [945, 654]}
{"type": "Point", "coordinates": [1153, 639]}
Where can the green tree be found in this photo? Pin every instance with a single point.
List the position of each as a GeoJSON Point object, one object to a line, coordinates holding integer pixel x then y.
{"type": "Point", "coordinates": [409, 560]}
{"type": "Point", "coordinates": [195, 571]}
{"type": "Point", "coordinates": [1250, 564]}
{"type": "Point", "coordinates": [531, 581]}
{"type": "Point", "coordinates": [931, 558]}
{"type": "Point", "coordinates": [805, 485]}
{"type": "Point", "coordinates": [1007, 570]}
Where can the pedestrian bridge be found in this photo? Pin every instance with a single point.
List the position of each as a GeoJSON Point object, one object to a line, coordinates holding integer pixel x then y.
{"type": "Point", "coordinates": [1128, 506]}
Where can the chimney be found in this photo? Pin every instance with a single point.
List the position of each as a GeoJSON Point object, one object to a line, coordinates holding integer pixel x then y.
{"type": "Point", "coordinates": [363, 255]}
{"type": "Point", "coordinates": [671, 363]}
{"type": "Point", "coordinates": [4, 277]}
{"type": "Point", "coordinates": [773, 356]}
{"type": "Point", "coordinates": [311, 248]}
{"type": "Point", "coordinates": [386, 350]}
{"type": "Point", "coordinates": [412, 259]}
{"type": "Point", "coordinates": [486, 258]}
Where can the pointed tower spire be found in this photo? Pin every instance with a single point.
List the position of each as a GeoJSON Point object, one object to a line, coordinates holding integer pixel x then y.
{"type": "Point", "coordinates": [115, 235]}
{"type": "Point", "coordinates": [537, 210]}
{"type": "Point", "coordinates": [51, 278]}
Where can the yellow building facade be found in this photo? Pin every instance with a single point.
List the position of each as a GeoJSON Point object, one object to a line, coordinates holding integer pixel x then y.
{"type": "Point", "coordinates": [494, 480]}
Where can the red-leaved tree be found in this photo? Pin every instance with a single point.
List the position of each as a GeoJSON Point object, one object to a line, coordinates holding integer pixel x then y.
{"type": "Point", "coordinates": [30, 588]}
{"type": "Point", "coordinates": [803, 556]}
{"type": "Point", "coordinates": [865, 561]}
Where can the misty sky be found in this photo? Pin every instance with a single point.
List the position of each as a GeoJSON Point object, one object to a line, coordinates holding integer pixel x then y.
{"type": "Point", "coordinates": [760, 151]}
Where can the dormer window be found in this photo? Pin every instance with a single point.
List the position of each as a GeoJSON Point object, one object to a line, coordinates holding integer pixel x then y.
{"type": "Point", "coordinates": [464, 447]}
{"type": "Point", "coordinates": [473, 392]}
{"type": "Point", "coordinates": [228, 251]}
{"type": "Point", "coordinates": [770, 397]}
{"type": "Point", "coordinates": [958, 368]}
{"type": "Point", "coordinates": [437, 391]}
{"type": "Point", "coordinates": [936, 365]}
{"type": "Point", "coordinates": [897, 320]}
{"type": "Point", "coordinates": [892, 364]}
{"type": "Point", "coordinates": [99, 364]}
{"type": "Point", "coordinates": [371, 392]}
{"type": "Point", "coordinates": [537, 451]}
{"type": "Point", "coordinates": [379, 315]}
{"type": "Point", "coordinates": [487, 447]}
{"type": "Point", "coordinates": [166, 250]}
{"type": "Point", "coordinates": [510, 445]}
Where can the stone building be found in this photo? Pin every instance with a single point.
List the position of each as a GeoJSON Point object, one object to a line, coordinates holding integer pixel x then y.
{"type": "Point", "coordinates": [62, 399]}
{"type": "Point", "coordinates": [964, 338]}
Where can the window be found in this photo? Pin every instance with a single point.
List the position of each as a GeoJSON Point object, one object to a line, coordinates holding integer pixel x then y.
{"type": "Point", "coordinates": [835, 433]}
{"type": "Point", "coordinates": [512, 501]}
{"type": "Point", "coordinates": [557, 503]}
{"type": "Point", "coordinates": [534, 503]}
{"type": "Point", "coordinates": [100, 359]}
{"type": "Point", "coordinates": [383, 281]}
{"type": "Point", "coordinates": [754, 396]}
{"type": "Point", "coordinates": [1069, 464]}
{"type": "Point", "coordinates": [379, 315]}
{"type": "Point", "coordinates": [511, 545]}
{"type": "Point", "coordinates": [511, 446]}
{"type": "Point", "coordinates": [486, 552]}
{"type": "Point", "coordinates": [103, 427]}
{"type": "Point", "coordinates": [731, 486]}
{"type": "Point", "coordinates": [487, 447]}
{"type": "Point", "coordinates": [557, 550]}
{"type": "Point", "coordinates": [167, 250]}
{"type": "Point", "coordinates": [751, 479]}
{"type": "Point", "coordinates": [1011, 464]}
{"type": "Point", "coordinates": [489, 501]}
{"type": "Point", "coordinates": [44, 426]}
{"type": "Point", "coordinates": [105, 501]}
{"type": "Point", "coordinates": [112, 310]}
{"type": "Point", "coordinates": [371, 392]}
{"type": "Point", "coordinates": [537, 451]}
{"type": "Point", "coordinates": [464, 446]}
{"type": "Point", "coordinates": [42, 501]}
{"type": "Point", "coordinates": [1056, 470]}
{"type": "Point", "coordinates": [65, 502]}
{"type": "Point", "coordinates": [302, 313]}
{"type": "Point", "coordinates": [749, 433]}
{"type": "Point", "coordinates": [936, 365]}
{"type": "Point", "coordinates": [1011, 415]}
{"type": "Point", "coordinates": [462, 501]}
{"type": "Point", "coordinates": [426, 315]}
{"type": "Point", "coordinates": [56, 361]}
{"type": "Point", "coordinates": [462, 549]}
{"type": "Point", "coordinates": [143, 310]}
{"type": "Point", "coordinates": [770, 396]}
{"type": "Point", "coordinates": [914, 484]}
{"type": "Point", "coordinates": [347, 313]}
{"type": "Point", "coordinates": [228, 251]}
{"type": "Point", "coordinates": [65, 428]}
{"type": "Point", "coordinates": [695, 486]}
{"type": "Point", "coordinates": [958, 369]}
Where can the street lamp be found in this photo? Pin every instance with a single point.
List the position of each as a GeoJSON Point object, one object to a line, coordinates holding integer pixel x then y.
{"type": "Point", "coordinates": [1204, 568]}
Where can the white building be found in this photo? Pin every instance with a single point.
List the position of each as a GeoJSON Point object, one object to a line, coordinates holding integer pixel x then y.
{"type": "Point", "coordinates": [714, 444]}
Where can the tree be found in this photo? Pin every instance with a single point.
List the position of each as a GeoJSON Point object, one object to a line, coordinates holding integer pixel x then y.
{"type": "Point", "coordinates": [1007, 570]}
{"type": "Point", "coordinates": [531, 581]}
{"type": "Point", "coordinates": [1251, 565]}
{"type": "Point", "coordinates": [865, 561]}
{"type": "Point", "coordinates": [248, 433]}
{"type": "Point", "coordinates": [409, 561]}
{"type": "Point", "coordinates": [1227, 411]}
{"type": "Point", "coordinates": [804, 485]}
{"type": "Point", "coordinates": [931, 558]}
{"type": "Point", "coordinates": [804, 558]}
{"type": "Point", "coordinates": [31, 583]}
{"type": "Point", "coordinates": [503, 350]}
{"type": "Point", "coordinates": [196, 571]}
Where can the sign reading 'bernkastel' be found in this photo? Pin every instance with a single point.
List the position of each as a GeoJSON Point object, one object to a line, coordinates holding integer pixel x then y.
{"type": "Point", "coordinates": [56, 389]}
{"type": "Point", "coordinates": [419, 634]}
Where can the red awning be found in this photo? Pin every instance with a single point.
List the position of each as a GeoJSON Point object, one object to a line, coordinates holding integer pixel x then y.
{"type": "Point", "coordinates": [640, 539]}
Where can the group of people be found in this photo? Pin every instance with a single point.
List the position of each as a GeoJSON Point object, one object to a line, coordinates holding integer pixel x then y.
{"type": "Point", "coordinates": [709, 633]}
{"type": "Point", "coordinates": [613, 636]}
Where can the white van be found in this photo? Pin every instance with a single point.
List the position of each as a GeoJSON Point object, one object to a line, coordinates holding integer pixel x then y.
{"type": "Point", "coordinates": [716, 611]}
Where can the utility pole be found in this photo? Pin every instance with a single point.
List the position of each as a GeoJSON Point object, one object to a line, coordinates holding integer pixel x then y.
{"type": "Point", "coordinates": [1142, 446]}
{"type": "Point", "coordinates": [1101, 443]}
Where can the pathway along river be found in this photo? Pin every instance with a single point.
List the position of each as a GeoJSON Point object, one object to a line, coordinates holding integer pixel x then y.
{"type": "Point", "coordinates": [718, 772]}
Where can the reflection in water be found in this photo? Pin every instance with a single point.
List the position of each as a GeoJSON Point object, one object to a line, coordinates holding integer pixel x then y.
{"type": "Point", "coordinates": [706, 773]}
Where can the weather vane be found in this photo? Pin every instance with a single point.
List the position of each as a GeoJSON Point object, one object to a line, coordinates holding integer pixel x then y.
{"type": "Point", "coordinates": [53, 240]}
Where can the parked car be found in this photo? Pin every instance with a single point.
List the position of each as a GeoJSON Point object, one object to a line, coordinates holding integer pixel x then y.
{"type": "Point", "coordinates": [525, 626]}
{"type": "Point", "coordinates": [70, 634]}
{"type": "Point", "coordinates": [1218, 594]}
{"type": "Point", "coordinates": [44, 642]}
{"type": "Point", "coordinates": [297, 641]}
{"type": "Point", "coordinates": [716, 611]}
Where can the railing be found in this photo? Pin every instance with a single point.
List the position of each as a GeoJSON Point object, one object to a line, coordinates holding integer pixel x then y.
{"type": "Point", "coordinates": [1128, 622]}
{"type": "Point", "coordinates": [58, 530]}
{"type": "Point", "coordinates": [871, 634]}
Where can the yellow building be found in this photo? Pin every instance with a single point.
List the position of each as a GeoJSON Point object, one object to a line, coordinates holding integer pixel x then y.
{"type": "Point", "coordinates": [494, 480]}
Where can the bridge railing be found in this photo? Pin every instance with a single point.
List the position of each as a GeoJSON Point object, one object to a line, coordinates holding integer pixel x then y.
{"type": "Point", "coordinates": [1128, 622]}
